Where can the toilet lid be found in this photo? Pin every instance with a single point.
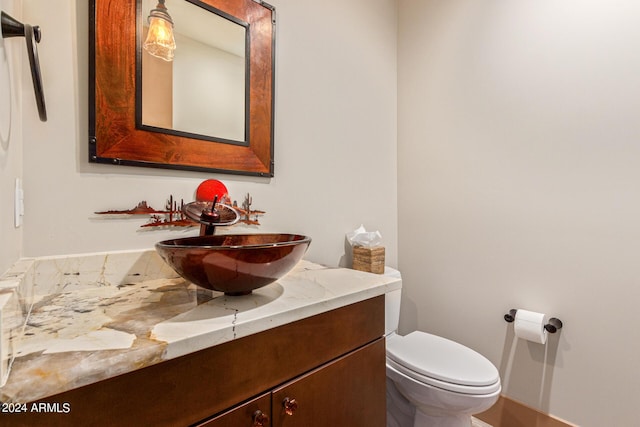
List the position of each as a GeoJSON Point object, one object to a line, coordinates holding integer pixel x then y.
{"type": "Point", "coordinates": [435, 357]}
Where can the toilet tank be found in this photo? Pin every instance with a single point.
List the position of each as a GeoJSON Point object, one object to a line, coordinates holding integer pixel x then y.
{"type": "Point", "coordinates": [392, 304]}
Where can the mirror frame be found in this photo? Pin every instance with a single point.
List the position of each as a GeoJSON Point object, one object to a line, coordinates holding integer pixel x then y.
{"type": "Point", "coordinates": [113, 135]}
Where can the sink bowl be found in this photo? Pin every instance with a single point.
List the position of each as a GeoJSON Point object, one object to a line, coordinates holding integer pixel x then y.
{"type": "Point", "coordinates": [235, 264]}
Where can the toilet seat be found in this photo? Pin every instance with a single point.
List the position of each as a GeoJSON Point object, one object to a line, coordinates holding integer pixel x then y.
{"type": "Point", "coordinates": [442, 363]}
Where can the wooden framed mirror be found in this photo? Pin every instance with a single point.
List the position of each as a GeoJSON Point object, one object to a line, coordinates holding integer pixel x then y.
{"type": "Point", "coordinates": [145, 111]}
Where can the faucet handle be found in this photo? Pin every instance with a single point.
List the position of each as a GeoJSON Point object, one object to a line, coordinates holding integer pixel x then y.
{"type": "Point", "coordinates": [211, 215]}
{"type": "Point", "coordinates": [209, 218]}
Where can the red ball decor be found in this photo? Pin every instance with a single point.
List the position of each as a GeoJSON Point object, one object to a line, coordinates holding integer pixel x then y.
{"type": "Point", "coordinates": [208, 189]}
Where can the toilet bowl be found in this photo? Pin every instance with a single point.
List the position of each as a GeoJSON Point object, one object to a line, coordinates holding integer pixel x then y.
{"type": "Point", "coordinates": [444, 381]}
{"type": "Point", "coordinates": [433, 381]}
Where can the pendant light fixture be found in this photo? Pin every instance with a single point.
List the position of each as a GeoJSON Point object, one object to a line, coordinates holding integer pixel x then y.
{"type": "Point", "coordinates": [160, 41]}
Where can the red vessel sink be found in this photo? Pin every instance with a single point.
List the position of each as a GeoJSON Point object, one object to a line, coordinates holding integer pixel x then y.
{"type": "Point", "coordinates": [235, 264]}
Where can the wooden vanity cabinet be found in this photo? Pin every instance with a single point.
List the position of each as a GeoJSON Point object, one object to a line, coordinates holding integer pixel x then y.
{"type": "Point", "coordinates": [332, 364]}
{"type": "Point", "coordinates": [345, 392]}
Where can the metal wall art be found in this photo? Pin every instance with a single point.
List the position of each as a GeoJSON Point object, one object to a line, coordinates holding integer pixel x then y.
{"type": "Point", "coordinates": [173, 216]}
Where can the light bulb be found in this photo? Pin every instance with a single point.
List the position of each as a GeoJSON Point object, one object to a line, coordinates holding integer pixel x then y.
{"type": "Point", "coordinates": [160, 41]}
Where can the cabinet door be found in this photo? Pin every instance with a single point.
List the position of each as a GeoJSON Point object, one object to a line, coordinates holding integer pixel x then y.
{"type": "Point", "coordinates": [349, 391]}
{"type": "Point", "coordinates": [255, 413]}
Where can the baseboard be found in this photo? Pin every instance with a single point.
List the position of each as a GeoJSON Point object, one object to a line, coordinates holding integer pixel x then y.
{"type": "Point", "coordinates": [510, 413]}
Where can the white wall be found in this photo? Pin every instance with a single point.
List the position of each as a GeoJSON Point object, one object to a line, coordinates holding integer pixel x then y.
{"type": "Point", "coordinates": [519, 186]}
{"type": "Point", "coordinates": [335, 137]}
{"type": "Point", "coordinates": [12, 57]}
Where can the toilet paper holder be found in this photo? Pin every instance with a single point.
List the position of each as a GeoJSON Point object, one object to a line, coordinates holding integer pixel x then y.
{"type": "Point", "coordinates": [551, 327]}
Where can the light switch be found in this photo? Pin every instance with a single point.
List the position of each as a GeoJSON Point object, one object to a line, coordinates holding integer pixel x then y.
{"type": "Point", "coordinates": [18, 204]}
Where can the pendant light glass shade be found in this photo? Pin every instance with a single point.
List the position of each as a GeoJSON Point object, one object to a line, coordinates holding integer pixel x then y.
{"type": "Point", "coordinates": [160, 41]}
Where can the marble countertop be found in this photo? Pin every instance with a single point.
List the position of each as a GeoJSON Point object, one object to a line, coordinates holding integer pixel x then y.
{"type": "Point", "coordinates": [72, 321]}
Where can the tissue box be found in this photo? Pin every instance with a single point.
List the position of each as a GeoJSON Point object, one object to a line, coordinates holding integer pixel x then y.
{"type": "Point", "coordinates": [369, 259]}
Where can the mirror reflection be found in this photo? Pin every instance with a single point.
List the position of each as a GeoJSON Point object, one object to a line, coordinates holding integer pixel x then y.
{"type": "Point", "coordinates": [202, 91]}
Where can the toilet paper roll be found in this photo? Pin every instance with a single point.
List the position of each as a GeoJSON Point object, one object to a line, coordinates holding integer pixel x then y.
{"type": "Point", "coordinates": [529, 326]}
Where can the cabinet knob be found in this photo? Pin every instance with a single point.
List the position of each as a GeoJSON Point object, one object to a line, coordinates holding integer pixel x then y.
{"type": "Point", "coordinates": [260, 419]}
{"type": "Point", "coordinates": [290, 405]}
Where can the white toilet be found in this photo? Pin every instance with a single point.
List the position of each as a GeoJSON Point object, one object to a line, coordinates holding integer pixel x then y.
{"type": "Point", "coordinates": [433, 381]}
